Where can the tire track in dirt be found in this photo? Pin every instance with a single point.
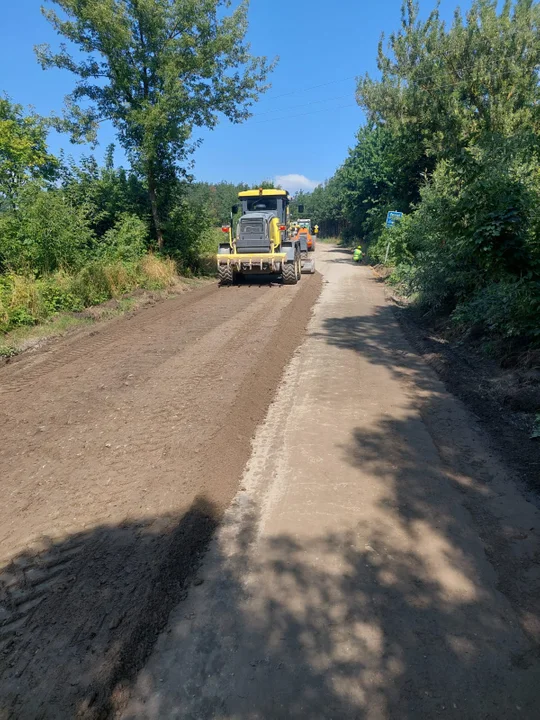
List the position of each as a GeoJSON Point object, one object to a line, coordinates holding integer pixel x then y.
{"type": "Point", "coordinates": [118, 460]}
{"type": "Point", "coordinates": [139, 430]}
{"type": "Point", "coordinates": [33, 367]}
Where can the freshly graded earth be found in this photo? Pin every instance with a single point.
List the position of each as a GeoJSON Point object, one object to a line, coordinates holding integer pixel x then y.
{"type": "Point", "coordinates": [119, 453]}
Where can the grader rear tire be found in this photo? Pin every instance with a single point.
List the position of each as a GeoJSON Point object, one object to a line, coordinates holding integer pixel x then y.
{"type": "Point", "coordinates": [226, 275]}
{"type": "Point", "coordinates": [290, 273]}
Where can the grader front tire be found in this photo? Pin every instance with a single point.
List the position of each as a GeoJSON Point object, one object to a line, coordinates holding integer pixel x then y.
{"type": "Point", "coordinates": [226, 275]}
{"type": "Point", "coordinates": [290, 273]}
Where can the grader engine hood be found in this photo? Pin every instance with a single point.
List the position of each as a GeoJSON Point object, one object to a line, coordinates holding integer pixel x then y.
{"type": "Point", "coordinates": [254, 232]}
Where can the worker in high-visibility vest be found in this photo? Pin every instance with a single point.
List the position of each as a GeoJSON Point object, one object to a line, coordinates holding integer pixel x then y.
{"type": "Point", "coordinates": [358, 254]}
{"type": "Point", "coordinates": [316, 229]}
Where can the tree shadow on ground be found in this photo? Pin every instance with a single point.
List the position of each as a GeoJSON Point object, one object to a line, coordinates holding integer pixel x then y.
{"type": "Point", "coordinates": [80, 616]}
{"type": "Point", "coordinates": [397, 616]}
{"type": "Point", "coordinates": [427, 605]}
{"type": "Point", "coordinates": [377, 339]}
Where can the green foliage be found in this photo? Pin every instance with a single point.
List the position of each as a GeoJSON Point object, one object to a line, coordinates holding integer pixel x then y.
{"type": "Point", "coordinates": [44, 233]}
{"type": "Point", "coordinates": [216, 200]}
{"type": "Point", "coordinates": [394, 243]}
{"type": "Point", "coordinates": [56, 294]}
{"type": "Point", "coordinates": [507, 309]}
{"type": "Point", "coordinates": [188, 228]}
{"type": "Point", "coordinates": [156, 70]}
{"type": "Point", "coordinates": [452, 140]}
{"type": "Point", "coordinates": [448, 88]}
{"type": "Point", "coordinates": [106, 192]}
{"type": "Point", "coordinates": [126, 240]}
{"type": "Point", "coordinates": [23, 150]}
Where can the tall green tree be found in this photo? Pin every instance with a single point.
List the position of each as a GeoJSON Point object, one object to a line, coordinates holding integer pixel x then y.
{"type": "Point", "coordinates": [156, 69]}
{"type": "Point", "coordinates": [446, 89]}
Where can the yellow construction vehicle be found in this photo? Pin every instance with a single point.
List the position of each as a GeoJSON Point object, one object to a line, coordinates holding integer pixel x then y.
{"type": "Point", "coordinates": [262, 242]}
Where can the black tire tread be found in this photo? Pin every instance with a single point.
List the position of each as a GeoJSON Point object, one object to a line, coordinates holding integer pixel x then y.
{"type": "Point", "coordinates": [290, 276]}
{"type": "Point", "coordinates": [226, 275]}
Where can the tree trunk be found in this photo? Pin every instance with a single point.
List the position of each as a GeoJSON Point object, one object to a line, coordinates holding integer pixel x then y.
{"type": "Point", "coordinates": [154, 206]}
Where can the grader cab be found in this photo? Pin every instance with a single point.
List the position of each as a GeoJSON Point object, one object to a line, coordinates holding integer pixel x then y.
{"type": "Point", "coordinates": [262, 242]}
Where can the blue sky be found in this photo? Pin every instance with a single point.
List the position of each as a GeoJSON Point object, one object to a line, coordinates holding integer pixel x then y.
{"type": "Point", "coordinates": [303, 126]}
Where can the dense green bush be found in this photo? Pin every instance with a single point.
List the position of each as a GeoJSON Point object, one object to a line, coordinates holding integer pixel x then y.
{"type": "Point", "coordinates": [44, 233]}
{"type": "Point", "coordinates": [473, 240]}
{"type": "Point", "coordinates": [508, 309]}
{"type": "Point", "coordinates": [452, 140]}
{"type": "Point", "coordinates": [188, 230]}
{"type": "Point", "coordinates": [126, 240]}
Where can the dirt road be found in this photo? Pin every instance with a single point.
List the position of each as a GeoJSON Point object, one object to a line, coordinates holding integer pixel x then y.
{"type": "Point", "coordinates": [370, 554]}
{"type": "Point", "coordinates": [379, 561]}
{"type": "Point", "coordinates": [119, 453]}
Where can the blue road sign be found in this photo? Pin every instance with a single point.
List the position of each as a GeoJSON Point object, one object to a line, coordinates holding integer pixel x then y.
{"type": "Point", "coordinates": [392, 217]}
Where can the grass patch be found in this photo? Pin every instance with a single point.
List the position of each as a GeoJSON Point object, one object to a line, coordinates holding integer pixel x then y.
{"type": "Point", "coordinates": [26, 337]}
{"type": "Point", "coordinates": [33, 309]}
{"type": "Point", "coordinates": [26, 300]}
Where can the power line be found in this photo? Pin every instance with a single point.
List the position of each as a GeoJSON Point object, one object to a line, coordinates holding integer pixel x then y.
{"type": "Point", "coordinates": [315, 102]}
{"type": "Point", "coordinates": [313, 112]}
{"type": "Point", "coordinates": [411, 82]}
{"type": "Point", "coordinates": [415, 80]}
{"type": "Point", "coordinates": [313, 87]}
{"type": "Point", "coordinates": [354, 77]}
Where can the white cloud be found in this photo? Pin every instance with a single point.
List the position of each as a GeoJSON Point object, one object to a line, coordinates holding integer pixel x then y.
{"type": "Point", "coordinates": [294, 182]}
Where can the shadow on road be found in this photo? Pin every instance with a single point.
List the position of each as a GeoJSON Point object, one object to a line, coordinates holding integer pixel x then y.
{"type": "Point", "coordinates": [407, 625]}
{"type": "Point", "coordinates": [427, 607]}
{"type": "Point", "coordinates": [378, 340]}
{"type": "Point", "coordinates": [79, 617]}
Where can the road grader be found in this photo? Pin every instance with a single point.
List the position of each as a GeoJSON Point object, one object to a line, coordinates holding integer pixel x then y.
{"type": "Point", "coordinates": [263, 242]}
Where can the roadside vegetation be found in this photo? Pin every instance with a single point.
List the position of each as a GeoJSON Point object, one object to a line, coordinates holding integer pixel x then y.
{"type": "Point", "coordinates": [452, 140]}
{"type": "Point", "coordinates": [73, 235]}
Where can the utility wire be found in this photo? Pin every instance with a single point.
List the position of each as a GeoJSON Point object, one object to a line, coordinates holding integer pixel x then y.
{"type": "Point", "coordinates": [313, 112]}
{"type": "Point", "coordinates": [353, 77]}
{"type": "Point", "coordinates": [313, 87]}
{"type": "Point", "coordinates": [411, 83]}
{"type": "Point", "coordinates": [415, 80]}
{"type": "Point", "coordinates": [293, 107]}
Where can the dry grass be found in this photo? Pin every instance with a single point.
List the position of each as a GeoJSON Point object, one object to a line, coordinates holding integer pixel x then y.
{"type": "Point", "coordinates": [119, 278]}
{"type": "Point", "coordinates": [4, 317]}
{"type": "Point", "coordinates": [24, 293]}
{"type": "Point", "coordinates": [160, 271]}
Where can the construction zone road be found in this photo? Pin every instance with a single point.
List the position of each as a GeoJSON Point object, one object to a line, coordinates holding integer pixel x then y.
{"type": "Point", "coordinates": [230, 507]}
